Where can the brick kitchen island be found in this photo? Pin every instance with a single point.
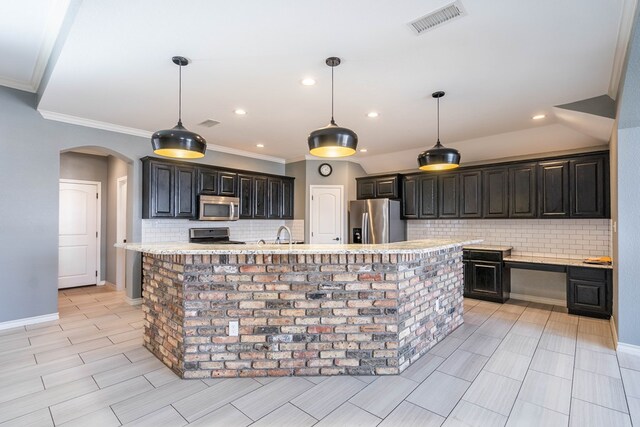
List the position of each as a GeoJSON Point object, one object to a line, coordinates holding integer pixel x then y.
{"type": "Point", "coordinates": [302, 310]}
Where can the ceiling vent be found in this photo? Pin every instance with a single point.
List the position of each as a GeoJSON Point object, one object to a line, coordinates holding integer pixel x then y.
{"type": "Point", "coordinates": [438, 17]}
{"type": "Point", "coordinates": [209, 123]}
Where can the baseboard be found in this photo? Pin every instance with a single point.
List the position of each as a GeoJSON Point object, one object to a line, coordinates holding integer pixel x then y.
{"type": "Point", "coordinates": [133, 301]}
{"type": "Point", "coordinates": [541, 300]}
{"type": "Point", "coordinates": [29, 321]}
{"type": "Point", "coordinates": [614, 331]}
{"type": "Point", "coordinates": [628, 348]}
{"type": "Point", "coordinates": [102, 282]}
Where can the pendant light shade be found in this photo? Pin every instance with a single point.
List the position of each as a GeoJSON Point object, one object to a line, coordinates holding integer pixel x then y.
{"type": "Point", "coordinates": [179, 142]}
{"type": "Point", "coordinates": [332, 140]}
{"type": "Point", "coordinates": [439, 157]}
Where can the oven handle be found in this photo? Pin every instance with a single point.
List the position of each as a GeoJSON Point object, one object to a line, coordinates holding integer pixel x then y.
{"type": "Point", "coordinates": [232, 209]}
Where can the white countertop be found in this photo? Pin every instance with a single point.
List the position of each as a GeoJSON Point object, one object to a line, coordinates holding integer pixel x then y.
{"type": "Point", "coordinates": [555, 261]}
{"type": "Point", "coordinates": [489, 248]}
{"type": "Point", "coordinates": [412, 246]}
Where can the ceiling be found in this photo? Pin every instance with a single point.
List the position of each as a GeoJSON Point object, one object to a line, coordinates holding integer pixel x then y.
{"type": "Point", "coordinates": [502, 63]}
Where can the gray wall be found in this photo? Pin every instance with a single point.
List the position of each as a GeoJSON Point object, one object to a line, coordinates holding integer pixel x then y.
{"type": "Point", "coordinates": [298, 170]}
{"type": "Point", "coordinates": [116, 169]}
{"type": "Point", "coordinates": [627, 193]}
{"type": "Point", "coordinates": [86, 167]}
{"type": "Point", "coordinates": [30, 166]}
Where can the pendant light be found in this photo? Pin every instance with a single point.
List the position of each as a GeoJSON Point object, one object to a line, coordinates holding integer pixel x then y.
{"type": "Point", "coordinates": [439, 157]}
{"type": "Point", "coordinates": [332, 140]}
{"type": "Point", "coordinates": [179, 142]}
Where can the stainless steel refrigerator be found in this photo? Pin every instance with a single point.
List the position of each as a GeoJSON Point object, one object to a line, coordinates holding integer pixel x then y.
{"type": "Point", "coordinates": [376, 221]}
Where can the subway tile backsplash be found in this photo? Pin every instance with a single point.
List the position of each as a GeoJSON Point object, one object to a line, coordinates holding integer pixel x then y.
{"type": "Point", "coordinates": [556, 238]}
{"type": "Point", "coordinates": [177, 230]}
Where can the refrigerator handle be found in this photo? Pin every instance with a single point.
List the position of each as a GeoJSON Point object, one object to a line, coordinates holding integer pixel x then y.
{"type": "Point", "coordinates": [365, 228]}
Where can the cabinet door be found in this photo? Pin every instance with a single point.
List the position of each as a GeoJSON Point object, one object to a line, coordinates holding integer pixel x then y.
{"type": "Point", "coordinates": [428, 196]}
{"type": "Point", "coordinates": [448, 197]}
{"type": "Point", "coordinates": [185, 204]}
{"type": "Point", "coordinates": [471, 194]}
{"type": "Point", "coordinates": [496, 186]}
{"type": "Point", "coordinates": [468, 277]}
{"type": "Point", "coordinates": [287, 198]}
{"type": "Point", "coordinates": [207, 181]}
{"type": "Point", "coordinates": [275, 198]}
{"type": "Point", "coordinates": [227, 183]}
{"type": "Point", "coordinates": [245, 195]}
{"type": "Point", "coordinates": [162, 190]}
{"type": "Point", "coordinates": [587, 187]}
{"type": "Point", "coordinates": [486, 279]}
{"type": "Point", "coordinates": [553, 189]}
{"type": "Point", "coordinates": [366, 189]}
{"type": "Point", "coordinates": [410, 197]}
{"type": "Point", "coordinates": [387, 187]}
{"type": "Point", "coordinates": [522, 191]}
{"type": "Point", "coordinates": [589, 291]}
{"type": "Point", "coordinates": [260, 196]}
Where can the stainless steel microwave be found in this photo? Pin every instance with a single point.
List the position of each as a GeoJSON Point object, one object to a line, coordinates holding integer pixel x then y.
{"type": "Point", "coordinates": [219, 208]}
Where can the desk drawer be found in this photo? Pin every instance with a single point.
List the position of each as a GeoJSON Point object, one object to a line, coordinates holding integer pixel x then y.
{"type": "Point", "coordinates": [586, 273]}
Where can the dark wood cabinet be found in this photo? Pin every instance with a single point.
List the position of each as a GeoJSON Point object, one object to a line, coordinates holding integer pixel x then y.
{"type": "Point", "coordinates": [448, 196]}
{"type": "Point", "coordinates": [522, 191]}
{"type": "Point", "coordinates": [589, 291]}
{"type": "Point", "coordinates": [410, 197]}
{"type": "Point", "coordinates": [245, 196]}
{"type": "Point", "coordinates": [207, 181]}
{"type": "Point", "coordinates": [484, 276]}
{"type": "Point", "coordinates": [274, 201]}
{"type": "Point", "coordinates": [553, 189]}
{"type": "Point", "coordinates": [287, 198]}
{"type": "Point", "coordinates": [495, 193]}
{"type": "Point", "coordinates": [589, 178]}
{"type": "Point", "coordinates": [471, 194]}
{"type": "Point", "coordinates": [428, 196]}
{"type": "Point", "coordinates": [171, 188]}
{"type": "Point", "coordinates": [227, 183]}
{"type": "Point", "coordinates": [185, 204]}
{"type": "Point", "coordinates": [378, 187]}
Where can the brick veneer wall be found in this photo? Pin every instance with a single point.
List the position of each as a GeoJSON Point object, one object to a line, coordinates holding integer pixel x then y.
{"type": "Point", "coordinates": [299, 314]}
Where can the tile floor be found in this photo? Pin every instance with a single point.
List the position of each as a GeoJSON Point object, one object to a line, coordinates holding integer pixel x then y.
{"type": "Point", "coordinates": [515, 364]}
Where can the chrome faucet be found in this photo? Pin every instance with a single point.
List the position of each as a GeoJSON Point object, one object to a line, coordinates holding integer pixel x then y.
{"type": "Point", "coordinates": [261, 242]}
{"type": "Point", "coordinates": [283, 227]}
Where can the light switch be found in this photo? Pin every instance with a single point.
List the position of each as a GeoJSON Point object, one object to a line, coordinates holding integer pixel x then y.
{"type": "Point", "coordinates": [233, 328]}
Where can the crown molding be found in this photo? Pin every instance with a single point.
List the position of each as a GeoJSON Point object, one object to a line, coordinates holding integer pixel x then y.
{"type": "Point", "coordinates": [624, 34]}
{"type": "Point", "coordinates": [15, 84]}
{"type": "Point", "coordinates": [96, 124]}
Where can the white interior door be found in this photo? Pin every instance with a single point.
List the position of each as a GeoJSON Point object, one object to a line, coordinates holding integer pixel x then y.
{"type": "Point", "coordinates": [78, 235]}
{"type": "Point", "coordinates": [327, 214]}
{"type": "Point", "coordinates": [121, 232]}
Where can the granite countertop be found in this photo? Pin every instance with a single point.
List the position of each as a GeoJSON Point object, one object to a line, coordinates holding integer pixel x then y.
{"type": "Point", "coordinates": [488, 248]}
{"type": "Point", "coordinates": [412, 246]}
{"type": "Point", "coordinates": [555, 261]}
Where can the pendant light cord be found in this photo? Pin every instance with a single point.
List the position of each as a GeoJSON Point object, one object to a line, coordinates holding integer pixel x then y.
{"type": "Point", "coordinates": [438, 143]}
{"type": "Point", "coordinates": [180, 96]}
{"type": "Point", "coordinates": [332, 121]}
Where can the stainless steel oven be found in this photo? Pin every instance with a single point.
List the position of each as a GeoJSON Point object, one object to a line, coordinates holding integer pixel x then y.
{"type": "Point", "coordinates": [219, 208]}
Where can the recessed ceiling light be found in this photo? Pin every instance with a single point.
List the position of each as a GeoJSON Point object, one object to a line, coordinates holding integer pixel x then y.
{"type": "Point", "coordinates": [308, 81]}
{"type": "Point", "coordinates": [260, 145]}
{"type": "Point", "coordinates": [240, 111]}
{"type": "Point", "coordinates": [539, 116]}
{"type": "Point", "coordinates": [373, 114]}
{"type": "Point", "coordinates": [363, 150]}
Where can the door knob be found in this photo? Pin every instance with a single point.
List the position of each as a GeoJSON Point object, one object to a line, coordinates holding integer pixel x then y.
{"type": "Point", "coordinates": [337, 238]}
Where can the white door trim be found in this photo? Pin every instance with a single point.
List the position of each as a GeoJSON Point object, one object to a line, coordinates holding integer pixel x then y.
{"type": "Point", "coordinates": [121, 216]}
{"type": "Point", "coordinates": [98, 185]}
{"type": "Point", "coordinates": [342, 214]}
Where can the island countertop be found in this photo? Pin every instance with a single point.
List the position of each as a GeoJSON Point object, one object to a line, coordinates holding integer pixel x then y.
{"type": "Point", "coordinates": [412, 246]}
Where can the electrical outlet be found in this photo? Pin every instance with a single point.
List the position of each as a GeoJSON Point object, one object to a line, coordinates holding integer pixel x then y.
{"type": "Point", "coordinates": [437, 304]}
{"type": "Point", "coordinates": [233, 328]}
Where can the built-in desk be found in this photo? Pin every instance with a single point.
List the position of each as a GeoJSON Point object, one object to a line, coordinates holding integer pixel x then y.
{"type": "Point", "coordinates": [589, 286]}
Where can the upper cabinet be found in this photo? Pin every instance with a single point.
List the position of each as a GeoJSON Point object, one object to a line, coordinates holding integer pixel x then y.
{"type": "Point", "coordinates": [553, 189]}
{"type": "Point", "coordinates": [522, 191]}
{"type": "Point", "coordinates": [561, 187]}
{"type": "Point", "coordinates": [171, 189]}
{"type": "Point", "coordinates": [496, 193]}
{"type": "Point", "coordinates": [378, 187]}
{"type": "Point", "coordinates": [589, 178]}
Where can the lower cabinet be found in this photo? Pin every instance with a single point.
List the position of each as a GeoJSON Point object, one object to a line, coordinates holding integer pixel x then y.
{"type": "Point", "coordinates": [483, 276]}
{"type": "Point", "coordinates": [589, 291]}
